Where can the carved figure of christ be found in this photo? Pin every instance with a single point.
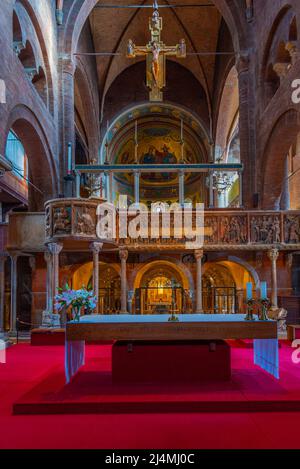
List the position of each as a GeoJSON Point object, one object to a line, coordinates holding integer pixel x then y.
{"type": "Point", "coordinates": [156, 53]}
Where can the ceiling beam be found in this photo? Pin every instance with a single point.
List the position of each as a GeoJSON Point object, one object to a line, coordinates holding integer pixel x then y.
{"type": "Point", "coordinates": [159, 6]}
{"type": "Point", "coordinates": [159, 168]}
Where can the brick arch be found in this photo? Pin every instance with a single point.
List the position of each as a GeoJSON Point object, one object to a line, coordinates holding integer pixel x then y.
{"type": "Point", "coordinates": [42, 170]}
{"type": "Point", "coordinates": [287, 9]}
{"type": "Point", "coordinates": [77, 12]}
{"type": "Point", "coordinates": [282, 137]}
{"type": "Point", "coordinates": [183, 271]}
{"type": "Point", "coordinates": [274, 51]}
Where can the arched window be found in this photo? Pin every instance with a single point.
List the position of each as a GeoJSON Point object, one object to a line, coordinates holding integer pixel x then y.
{"type": "Point", "coordinates": [15, 153]}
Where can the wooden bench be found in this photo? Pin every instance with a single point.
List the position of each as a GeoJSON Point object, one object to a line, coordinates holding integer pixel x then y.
{"type": "Point", "coordinates": [292, 331]}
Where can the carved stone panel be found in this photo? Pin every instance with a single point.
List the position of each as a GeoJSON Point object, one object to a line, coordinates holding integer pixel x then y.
{"type": "Point", "coordinates": [62, 220]}
{"type": "Point", "coordinates": [211, 230]}
{"type": "Point", "coordinates": [84, 221]}
{"type": "Point", "coordinates": [265, 229]}
{"type": "Point", "coordinates": [292, 229]}
{"type": "Point", "coordinates": [233, 229]}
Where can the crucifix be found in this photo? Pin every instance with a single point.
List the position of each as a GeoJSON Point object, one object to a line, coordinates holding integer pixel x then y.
{"type": "Point", "coordinates": [156, 52]}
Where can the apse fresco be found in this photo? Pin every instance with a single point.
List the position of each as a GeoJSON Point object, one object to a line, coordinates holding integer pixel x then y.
{"type": "Point", "coordinates": [158, 144]}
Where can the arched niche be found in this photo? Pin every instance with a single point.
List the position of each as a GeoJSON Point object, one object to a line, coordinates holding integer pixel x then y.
{"type": "Point", "coordinates": [41, 168]}
{"type": "Point", "coordinates": [280, 52]}
{"type": "Point", "coordinates": [27, 58]}
{"type": "Point", "coordinates": [39, 81]}
{"type": "Point", "coordinates": [17, 32]}
{"type": "Point", "coordinates": [281, 138]}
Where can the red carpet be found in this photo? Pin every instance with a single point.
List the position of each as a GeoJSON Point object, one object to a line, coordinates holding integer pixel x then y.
{"type": "Point", "coordinates": [92, 390]}
{"type": "Point", "coordinates": [28, 366]}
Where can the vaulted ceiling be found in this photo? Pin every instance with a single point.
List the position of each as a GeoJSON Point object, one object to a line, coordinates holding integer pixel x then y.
{"type": "Point", "coordinates": [111, 29]}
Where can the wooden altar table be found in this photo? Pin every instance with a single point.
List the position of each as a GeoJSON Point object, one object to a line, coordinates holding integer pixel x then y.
{"type": "Point", "coordinates": [157, 327]}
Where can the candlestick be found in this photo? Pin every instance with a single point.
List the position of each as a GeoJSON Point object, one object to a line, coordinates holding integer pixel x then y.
{"type": "Point", "coordinates": [263, 290]}
{"type": "Point", "coordinates": [70, 165]}
{"type": "Point", "coordinates": [249, 291]}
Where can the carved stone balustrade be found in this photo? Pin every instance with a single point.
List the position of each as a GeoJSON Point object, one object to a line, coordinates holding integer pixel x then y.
{"type": "Point", "coordinates": [232, 230]}
{"type": "Point", "coordinates": [71, 219]}
{"type": "Point", "coordinates": [73, 222]}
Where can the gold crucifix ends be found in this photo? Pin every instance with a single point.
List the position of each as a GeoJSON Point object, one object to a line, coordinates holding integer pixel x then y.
{"type": "Point", "coordinates": [156, 52]}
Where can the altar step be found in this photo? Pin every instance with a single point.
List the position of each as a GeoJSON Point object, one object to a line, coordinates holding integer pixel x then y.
{"type": "Point", "coordinates": [156, 406]}
{"type": "Point", "coordinates": [93, 392]}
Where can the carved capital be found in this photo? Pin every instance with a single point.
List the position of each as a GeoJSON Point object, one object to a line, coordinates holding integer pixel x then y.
{"type": "Point", "coordinates": [59, 16]}
{"type": "Point", "coordinates": [96, 247]}
{"type": "Point", "coordinates": [55, 248]}
{"type": "Point", "coordinates": [18, 46]}
{"type": "Point", "coordinates": [292, 49]}
{"type": "Point", "coordinates": [281, 69]}
{"type": "Point", "coordinates": [199, 253]}
{"type": "Point", "coordinates": [14, 255]}
{"type": "Point", "coordinates": [123, 253]}
{"type": "Point", "coordinates": [273, 255]}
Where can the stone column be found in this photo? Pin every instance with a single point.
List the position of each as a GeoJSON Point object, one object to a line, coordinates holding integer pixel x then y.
{"type": "Point", "coordinates": [49, 283]}
{"type": "Point", "coordinates": [181, 188]}
{"type": "Point", "coordinates": [66, 124]}
{"type": "Point", "coordinates": [247, 93]}
{"type": "Point", "coordinates": [211, 190]}
{"type": "Point", "coordinates": [199, 256]}
{"type": "Point", "coordinates": [273, 256]}
{"type": "Point", "coordinates": [123, 253]}
{"type": "Point", "coordinates": [137, 175]}
{"type": "Point", "coordinates": [77, 184]}
{"type": "Point", "coordinates": [55, 250]}
{"type": "Point", "coordinates": [109, 186]}
{"type": "Point", "coordinates": [96, 248]}
{"type": "Point", "coordinates": [240, 173]}
{"type": "Point", "coordinates": [285, 194]}
{"type": "Point", "coordinates": [2, 291]}
{"type": "Point", "coordinates": [13, 290]}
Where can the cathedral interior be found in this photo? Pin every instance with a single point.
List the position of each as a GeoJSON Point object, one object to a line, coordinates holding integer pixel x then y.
{"type": "Point", "coordinates": [80, 124]}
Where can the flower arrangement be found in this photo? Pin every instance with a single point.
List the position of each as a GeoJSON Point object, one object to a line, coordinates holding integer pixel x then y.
{"type": "Point", "coordinates": [76, 299]}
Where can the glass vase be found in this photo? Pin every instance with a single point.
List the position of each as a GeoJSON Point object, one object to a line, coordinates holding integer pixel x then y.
{"type": "Point", "coordinates": [76, 313]}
